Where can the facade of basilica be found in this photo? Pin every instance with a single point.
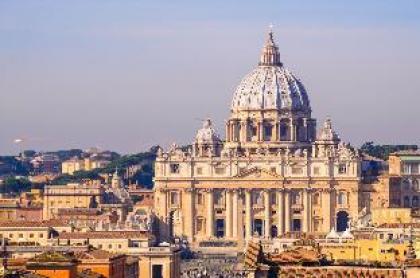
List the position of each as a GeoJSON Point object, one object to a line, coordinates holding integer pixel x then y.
{"type": "Point", "coordinates": [273, 174]}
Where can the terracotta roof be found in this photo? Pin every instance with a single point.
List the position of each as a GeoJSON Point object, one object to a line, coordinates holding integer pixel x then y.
{"type": "Point", "coordinates": [87, 273]}
{"type": "Point", "coordinates": [96, 254]}
{"type": "Point", "coordinates": [106, 234]}
{"type": "Point", "coordinates": [78, 211]}
{"type": "Point", "coordinates": [407, 152]}
{"type": "Point", "coordinates": [51, 256]}
{"type": "Point", "coordinates": [25, 223]}
{"type": "Point", "coordinates": [146, 202]}
{"type": "Point", "coordinates": [298, 255]}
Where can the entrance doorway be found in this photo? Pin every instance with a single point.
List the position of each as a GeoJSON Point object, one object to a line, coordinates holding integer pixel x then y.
{"type": "Point", "coordinates": [296, 225]}
{"type": "Point", "coordinates": [274, 232]}
{"type": "Point", "coordinates": [220, 228]}
{"type": "Point", "coordinates": [342, 221]}
{"type": "Point", "coordinates": [258, 227]}
{"type": "Point", "coordinates": [157, 271]}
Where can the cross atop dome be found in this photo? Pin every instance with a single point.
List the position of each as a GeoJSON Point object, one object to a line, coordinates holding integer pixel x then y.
{"type": "Point", "coordinates": [270, 55]}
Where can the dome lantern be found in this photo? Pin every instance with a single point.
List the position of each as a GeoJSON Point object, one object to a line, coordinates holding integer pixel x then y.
{"type": "Point", "coordinates": [270, 55]}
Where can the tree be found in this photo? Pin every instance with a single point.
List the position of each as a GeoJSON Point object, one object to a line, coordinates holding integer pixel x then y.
{"type": "Point", "coordinates": [15, 185]}
{"type": "Point", "coordinates": [383, 151]}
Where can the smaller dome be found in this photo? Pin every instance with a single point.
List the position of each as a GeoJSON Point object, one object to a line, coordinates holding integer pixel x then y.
{"type": "Point", "coordinates": [327, 133]}
{"type": "Point", "coordinates": [207, 134]}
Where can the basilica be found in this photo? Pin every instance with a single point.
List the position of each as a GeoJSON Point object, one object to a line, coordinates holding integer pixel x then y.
{"type": "Point", "coordinates": [273, 174]}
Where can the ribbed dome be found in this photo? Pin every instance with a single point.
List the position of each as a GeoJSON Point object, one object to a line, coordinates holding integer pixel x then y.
{"type": "Point", "coordinates": [270, 85]}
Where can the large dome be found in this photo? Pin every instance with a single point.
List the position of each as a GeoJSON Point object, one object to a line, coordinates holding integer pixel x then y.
{"type": "Point", "coordinates": [270, 85]}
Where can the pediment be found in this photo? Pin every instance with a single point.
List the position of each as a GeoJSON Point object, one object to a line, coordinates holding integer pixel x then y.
{"type": "Point", "coordinates": [256, 173]}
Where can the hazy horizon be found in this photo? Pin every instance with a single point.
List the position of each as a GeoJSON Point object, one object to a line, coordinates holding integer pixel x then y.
{"type": "Point", "coordinates": [126, 75]}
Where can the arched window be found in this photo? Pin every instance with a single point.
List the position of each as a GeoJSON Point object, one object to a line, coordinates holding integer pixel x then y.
{"type": "Point", "coordinates": [268, 132]}
{"type": "Point", "coordinates": [406, 202]}
{"type": "Point", "coordinates": [301, 130]}
{"type": "Point", "coordinates": [415, 201]}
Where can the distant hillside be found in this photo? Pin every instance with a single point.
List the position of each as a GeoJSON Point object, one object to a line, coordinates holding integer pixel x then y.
{"type": "Point", "coordinates": [133, 168]}
{"type": "Point", "coordinates": [383, 151]}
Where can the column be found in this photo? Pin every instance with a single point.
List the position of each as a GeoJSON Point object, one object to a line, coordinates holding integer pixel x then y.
{"type": "Point", "coordinates": [232, 131]}
{"type": "Point", "coordinates": [310, 228]}
{"type": "Point", "coordinates": [235, 213]}
{"type": "Point", "coordinates": [164, 203]}
{"type": "Point", "coordinates": [227, 131]}
{"type": "Point", "coordinates": [189, 217]}
{"type": "Point", "coordinates": [305, 211]}
{"type": "Point", "coordinates": [280, 212]}
{"type": "Point", "coordinates": [163, 206]}
{"type": "Point", "coordinates": [291, 137]}
{"type": "Point", "coordinates": [287, 211]}
{"type": "Point", "coordinates": [242, 136]}
{"type": "Point", "coordinates": [210, 213]}
{"type": "Point", "coordinates": [293, 131]}
{"type": "Point", "coordinates": [326, 210]}
{"type": "Point", "coordinates": [248, 214]}
{"type": "Point", "coordinates": [305, 124]}
{"type": "Point", "coordinates": [274, 134]}
{"type": "Point", "coordinates": [228, 213]}
{"type": "Point", "coordinates": [267, 214]}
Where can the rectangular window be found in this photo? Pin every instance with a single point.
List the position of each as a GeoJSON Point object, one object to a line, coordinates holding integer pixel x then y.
{"type": "Point", "coordinates": [41, 235]}
{"type": "Point", "coordinates": [174, 198]}
{"type": "Point", "coordinates": [220, 170]}
{"type": "Point", "coordinates": [254, 131]}
{"type": "Point", "coordinates": [200, 225]}
{"type": "Point", "coordinates": [273, 170]}
{"type": "Point", "coordinates": [268, 132]}
{"type": "Point", "coordinates": [174, 167]}
{"type": "Point", "coordinates": [273, 198]}
{"type": "Point", "coordinates": [342, 168]}
{"type": "Point", "coordinates": [200, 199]}
{"type": "Point", "coordinates": [414, 168]}
{"type": "Point", "coordinates": [316, 225]}
{"type": "Point", "coordinates": [297, 170]}
{"type": "Point", "coordinates": [316, 170]}
{"type": "Point", "coordinates": [199, 171]}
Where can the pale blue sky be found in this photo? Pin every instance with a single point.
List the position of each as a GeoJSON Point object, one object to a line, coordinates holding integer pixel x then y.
{"type": "Point", "coordinates": [125, 75]}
